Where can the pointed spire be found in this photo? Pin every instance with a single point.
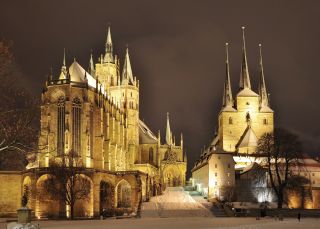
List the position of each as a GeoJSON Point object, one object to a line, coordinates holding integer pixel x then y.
{"type": "Point", "coordinates": [159, 138]}
{"type": "Point", "coordinates": [108, 57]}
{"type": "Point", "coordinates": [244, 75]}
{"type": "Point", "coordinates": [262, 85]}
{"type": "Point", "coordinates": [227, 96]}
{"type": "Point", "coordinates": [181, 141]}
{"type": "Point", "coordinates": [91, 65]}
{"type": "Point", "coordinates": [127, 76]}
{"type": "Point", "coordinates": [63, 74]}
{"type": "Point", "coordinates": [168, 131]}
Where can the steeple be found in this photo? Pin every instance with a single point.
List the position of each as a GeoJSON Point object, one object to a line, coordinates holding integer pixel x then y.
{"type": "Point", "coordinates": [127, 76]}
{"type": "Point", "coordinates": [168, 131]}
{"type": "Point", "coordinates": [244, 75]}
{"type": "Point", "coordinates": [264, 101]}
{"type": "Point", "coordinates": [63, 74]}
{"type": "Point", "coordinates": [227, 96]}
{"type": "Point", "coordinates": [91, 65]}
{"type": "Point", "coordinates": [108, 57]}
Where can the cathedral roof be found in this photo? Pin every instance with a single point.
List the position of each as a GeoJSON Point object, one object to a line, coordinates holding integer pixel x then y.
{"type": "Point", "coordinates": [78, 75]}
{"type": "Point", "coordinates": [228, 109]}
{"type": "Point", "coordinates": [247, 92]}
{"type": "Point", "coordinates": [248, 139]}
{"type": "Point", "coordinates": [145, 134]}
{"type": "Point", "coordinates": [266, 109]}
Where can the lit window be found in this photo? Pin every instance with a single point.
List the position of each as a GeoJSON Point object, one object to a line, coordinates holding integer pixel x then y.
{"type": "Point", "coordinates": [230, 121]}
{"type": "Point", "coordinates": [228, 174]}
{"type": "Point", "coordinates": [265, 121]}
{"type": "Point", "coordinates": [61, 126]}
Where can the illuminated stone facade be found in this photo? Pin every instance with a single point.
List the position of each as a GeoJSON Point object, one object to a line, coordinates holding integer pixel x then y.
{"type": "Point", "coordinates": [95, 114]}
{"type": "Point", "coordinates": [241, 122]}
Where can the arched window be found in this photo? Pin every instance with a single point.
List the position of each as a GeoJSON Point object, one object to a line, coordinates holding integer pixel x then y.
{"type": "Point", "coordinates": [76, 126]}
{"type": "Point", "coordinates": [265, 121]}
{"type": "Point", "coordinates": [61, 125]}
{"type": "Point", "coordinates": [151, 155]}
{"type": "Point", "coordinates": [230, 121]}
{"type": "Point", "coordinates": [91, 132]}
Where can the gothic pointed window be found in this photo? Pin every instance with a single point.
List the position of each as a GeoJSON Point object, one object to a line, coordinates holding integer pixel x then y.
{"type": "Point", "coordinates": [91, 132]}
{"type": "Point", "coordinates": [265, 121]}
{"type": "Point", "coordinates": [76, 126]}
{"type": "Point", "coordinates": [151, 155]}
{"type": "Point", "coordinates": [61, 125]}
{"type": "Point", "coordinates": [230, 121]}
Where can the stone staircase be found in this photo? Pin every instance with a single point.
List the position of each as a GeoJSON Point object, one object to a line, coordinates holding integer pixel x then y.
{"type": "Point", "coordinates": [217, 210]}
{"type": "Point", "coordinates": [176, 202]}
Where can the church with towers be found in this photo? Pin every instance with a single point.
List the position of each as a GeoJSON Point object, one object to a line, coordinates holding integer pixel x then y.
{"type": "Point", "coordinates": [91, 117]}
{"type": "Point", "coordinates": [242, 120]}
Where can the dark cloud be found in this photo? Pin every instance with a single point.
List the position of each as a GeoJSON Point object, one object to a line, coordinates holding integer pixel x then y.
{"type": "Point", "coordinates": [177, 52]}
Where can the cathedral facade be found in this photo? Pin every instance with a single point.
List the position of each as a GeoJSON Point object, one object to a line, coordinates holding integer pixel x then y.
{"type": "Point", "coordinates": [94, 115]}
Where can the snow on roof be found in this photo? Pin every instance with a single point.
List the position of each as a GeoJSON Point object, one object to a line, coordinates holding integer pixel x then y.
{"type": "Point", "coordinates": [265, 109]}
{"type": "Point", "coordinates": [145, 134]}
{"type": "Point", "coordinates": [247, 92]}
{"type": "Point", "coordinates": [248, 139]}
{"type": "Point", "coordinates": [215, 140]}
{"type": "Point", "coordinates": [228, 108]}
{"type": "Point", "coordinates": [77, 74]}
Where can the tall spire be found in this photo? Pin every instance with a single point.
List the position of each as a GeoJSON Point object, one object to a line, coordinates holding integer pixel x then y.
{"type": "Point", "coordinates": [264, 101]}
{"type": "Point", "coordinates": [91, 65]}
{"type": "Point", "coordinates": [63, 74]}
{"type": "Point", "coordinates": [108, 57]}
{"type": "Point", "coordinates": [244, 75]}
{"type": "Point", "coordinates": [168, 131]}
{"type": "Point", "coordinates": [127, 76]}
{"type": "Point", "coordinates": [227, 96]}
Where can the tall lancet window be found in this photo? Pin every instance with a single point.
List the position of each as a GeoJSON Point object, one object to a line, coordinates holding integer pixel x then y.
{"type": "Point", "coordinates": [61, 128]}
{"type": "Point", "coordinates": [91, 132]}
{"type": "Point", "coordinates": [76, 126]}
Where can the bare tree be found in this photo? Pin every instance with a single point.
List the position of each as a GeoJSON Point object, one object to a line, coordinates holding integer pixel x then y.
{"type": "Point", "coordinates": [280, 151]}
{"type": "Point", "coordinates": [18, 112]}
{"type": "Point", "coordinates": [67, 181]}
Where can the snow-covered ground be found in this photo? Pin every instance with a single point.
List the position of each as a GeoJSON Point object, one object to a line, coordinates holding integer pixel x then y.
{"type": "Point", "coordinates": [175, 202]}
{"type": "Point", "coordinates": [181, 223]}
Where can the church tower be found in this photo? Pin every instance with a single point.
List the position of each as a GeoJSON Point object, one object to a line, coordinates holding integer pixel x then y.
{"type": "Point", "coordinates": [107, 70]}
{"type": "Point", "coordinates": [243, 121]}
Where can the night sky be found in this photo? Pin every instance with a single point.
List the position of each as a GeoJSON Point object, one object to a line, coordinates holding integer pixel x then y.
{"type": "Point", "coordinates": [177, 52]}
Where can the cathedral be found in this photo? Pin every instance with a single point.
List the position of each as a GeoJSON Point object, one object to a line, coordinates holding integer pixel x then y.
{"type": "Point", "coordinates": [94, 115]}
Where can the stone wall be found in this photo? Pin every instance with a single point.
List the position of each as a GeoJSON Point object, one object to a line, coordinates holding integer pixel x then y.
{"type": "Point", "coordinates": [10, 193]}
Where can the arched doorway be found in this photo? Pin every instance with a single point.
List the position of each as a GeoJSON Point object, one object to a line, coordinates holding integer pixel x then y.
{"type": "Point", "coordinates": [47, 205]}
{"type": "Point", "coordinates": [106, 199]}
{"type": "Point", "coordinates": [172, 177]}
{"type": "Point", "coordinates": [124, 194]}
